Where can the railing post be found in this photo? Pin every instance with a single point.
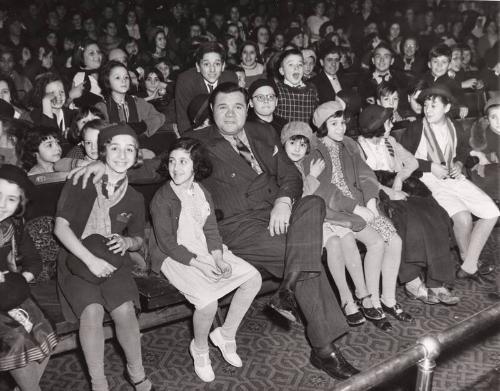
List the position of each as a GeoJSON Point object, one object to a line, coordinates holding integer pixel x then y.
{"type": "Point", "coordinates": [426, 366]}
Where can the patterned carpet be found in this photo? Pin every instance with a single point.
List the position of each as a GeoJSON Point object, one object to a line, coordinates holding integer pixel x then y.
{"type": "Point", "coordinates": [277, 358]}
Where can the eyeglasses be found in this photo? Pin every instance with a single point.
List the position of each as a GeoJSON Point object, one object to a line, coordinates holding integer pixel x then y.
{"type": "Point", "coordinates": [263, 98]}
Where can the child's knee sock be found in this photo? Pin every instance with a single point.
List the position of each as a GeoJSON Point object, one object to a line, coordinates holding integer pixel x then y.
{"type": "Point", "coordinates": [92, 340]}
{"type": "Point", "coordinates": [242, 300]}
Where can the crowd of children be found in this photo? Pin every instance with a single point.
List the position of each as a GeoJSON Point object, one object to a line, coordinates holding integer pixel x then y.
{"type": "Point", "coordinates": [376, 131]}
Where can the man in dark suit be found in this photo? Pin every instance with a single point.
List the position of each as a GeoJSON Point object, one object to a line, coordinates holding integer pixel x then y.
{"type": "Point", "coordinates": [382, 59]}
{"type": "Point", "coordinates": [410, 60]}
{"type": "Point", "coordinates": [329, 82]}
{"type": "Point", "coordinates": [262, 218]}
{"type": "Point", "coordinates": [204, 78]}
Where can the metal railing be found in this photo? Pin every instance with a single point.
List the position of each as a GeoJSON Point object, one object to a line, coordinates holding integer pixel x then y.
{"type": "Point", "coordinates": [423, 353]}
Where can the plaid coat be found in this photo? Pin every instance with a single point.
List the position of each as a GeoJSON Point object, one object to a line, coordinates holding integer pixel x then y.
{"type": "Point", "coordinates": [296, 103]}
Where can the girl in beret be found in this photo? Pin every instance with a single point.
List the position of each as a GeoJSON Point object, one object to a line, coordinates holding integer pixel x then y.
{"type": "Point", "coordinates": [348, 185]}
{"type": "Point", "coordinates": [27, 337]}
{"type": "Point", "coordinates": [109, 208]}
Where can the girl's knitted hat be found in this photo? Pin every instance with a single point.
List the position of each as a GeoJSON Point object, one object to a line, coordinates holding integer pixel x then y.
{"type": "Point", "coordinates": [296, 128]}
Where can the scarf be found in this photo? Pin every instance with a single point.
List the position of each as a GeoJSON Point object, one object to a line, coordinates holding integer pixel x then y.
{"type": "Point", "coordinates": [335, 152]}
{"type": "Point", "coordinates": [434, 152]}
{"type": "Point", "coordinates": [99, 221]}
{"type": "Point", "coordinates": [129, 107]}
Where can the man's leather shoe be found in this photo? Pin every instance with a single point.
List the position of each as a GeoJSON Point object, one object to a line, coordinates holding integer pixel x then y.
{"type": "Point", "coordinates": [284, 303]}
{"type": "Point", "coordinates": [334, 365]}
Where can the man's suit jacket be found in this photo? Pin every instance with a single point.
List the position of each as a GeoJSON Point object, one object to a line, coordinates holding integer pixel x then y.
{"type": "Point", "coordinates": [368, 85]}
{"type": "Point", "coordinates": [325, 88]}
{"type": "Point", "coordinates": [189, 84]}
{"type": "Point", "coordinates": [235, 187]}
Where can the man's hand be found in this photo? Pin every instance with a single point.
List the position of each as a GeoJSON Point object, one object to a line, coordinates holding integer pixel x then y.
{"type": "Point", "coordinates": [280, 216]}
{"type": "Point", "coordinates": [463, 112]}
{"type": "Point", "coordinates": [97, 168]}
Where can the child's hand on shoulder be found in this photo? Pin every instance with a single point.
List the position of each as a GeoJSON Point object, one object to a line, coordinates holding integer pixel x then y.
{"type": "Point", "coordinates": [463, 112]}
{"type": "Point", "coordinates": [2, 276]}
{"type": "Point", "coordinates": [316, 168]}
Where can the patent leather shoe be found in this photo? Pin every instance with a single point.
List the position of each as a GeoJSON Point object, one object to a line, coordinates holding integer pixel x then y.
{"type": "Point", "coordinates": [284, 303]}
{"type": "Point", "coordinates": [397, 312]}
{"type": "Point", "coordinates": [335, 365]}
{"type": "Point", "coordinates": [354, 319]}
{"type": "Point", "coordinates": [370, 313]}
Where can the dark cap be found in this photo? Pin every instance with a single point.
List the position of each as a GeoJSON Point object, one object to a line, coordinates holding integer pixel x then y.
{"type": "Point", "coordinates": [439, 90]}
{"type": "Point", "coordinates": [96, 244]}
{"type": "Point", "coordinates": [114, 130]}
{"type": "Point", "coordinates": [260, 83]}
{"type": "Point", "coordinates": [18, 176]}
{"type": "Point", "coordinates": [373, 118]}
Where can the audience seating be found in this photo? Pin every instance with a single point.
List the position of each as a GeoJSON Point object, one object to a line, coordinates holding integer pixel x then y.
{"type": "Point", "coordinates": [161, 303]}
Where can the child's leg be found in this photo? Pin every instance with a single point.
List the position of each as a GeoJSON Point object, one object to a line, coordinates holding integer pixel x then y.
{"type": "Point", "coordinates": [336, 263]}
{"type": "Point", "coordinates": [27, 378]}
{"type": "Point", "coordinates": [462, 228]}
{"type": "Point", "coordinates": [202, 321]}
{"type": "Point", "coordinates": [92, 340]}
{"type": "Point", "coordinates": [479, 235]}
{"type": "Point", "coordinates": [241, 302]}
{"type": "Point", "coordinates": [373, 261]}
{"type": "Point", "coordinates": [129, 336]}
{"type": "Point", "coordinates": [354, 265]}
{"type": "Point", "coordinates": [390, 270]}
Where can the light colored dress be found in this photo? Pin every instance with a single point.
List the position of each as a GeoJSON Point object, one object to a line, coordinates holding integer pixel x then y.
{"type": "Point", "coordinates": [189, 280]}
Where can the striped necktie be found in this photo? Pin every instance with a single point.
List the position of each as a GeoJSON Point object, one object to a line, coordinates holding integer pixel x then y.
{"type": "Point", "coordinates": [389, 147]}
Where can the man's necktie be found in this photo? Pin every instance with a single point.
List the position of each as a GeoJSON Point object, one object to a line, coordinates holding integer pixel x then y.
{"type": "Point", "coordinates": [210, 88]}
{"type": "Point", "coordinates": [389, 147]}
{"type": "Point", "coordinates": [243, 150]}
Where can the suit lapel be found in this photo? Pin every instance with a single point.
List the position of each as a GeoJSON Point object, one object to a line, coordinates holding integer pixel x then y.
{"type": "Point", "coordinates": [222, 149]}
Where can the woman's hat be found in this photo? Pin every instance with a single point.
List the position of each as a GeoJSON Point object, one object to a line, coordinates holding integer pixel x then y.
{"type": "Point", "coordinates": [115, 130]}
{"type": "Point", "coordinates": [296, 128]}
{"type": "Point", "coordinates": [373, 118]}
{"type": "Point", "coordinates": [326, 110]}
{"type": "Point", "coordinates": [18, 176]}
{"type": "Point", "coordinates": [96, 244]}
{"type": "Point", "coordinates": [14, 291]}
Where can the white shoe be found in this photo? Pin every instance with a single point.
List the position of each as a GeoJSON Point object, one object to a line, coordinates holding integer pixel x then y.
{"type": "Point", "coordinates": [227, 348]}
{"type": "Point", "coordinates": [202, 364]}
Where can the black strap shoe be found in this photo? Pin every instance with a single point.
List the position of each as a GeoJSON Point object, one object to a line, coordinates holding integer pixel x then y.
{"type": "Point", "coordinates": [335, 365]}
{"type": "Point", "coordinates": [397, 312]}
